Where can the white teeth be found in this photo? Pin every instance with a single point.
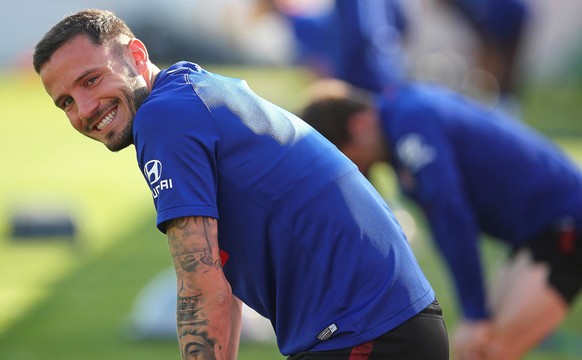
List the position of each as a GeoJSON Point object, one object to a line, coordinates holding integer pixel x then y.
{"type": "Point", "coordinates": [106, 120]}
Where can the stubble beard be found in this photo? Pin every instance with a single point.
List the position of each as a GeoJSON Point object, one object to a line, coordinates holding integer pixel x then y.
{"type": "Point", "coordinates": [135, 94]}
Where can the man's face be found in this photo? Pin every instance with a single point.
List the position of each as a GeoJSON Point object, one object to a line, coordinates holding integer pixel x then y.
{"type": "Point", "coordinates": [97, 88]}
{"type": "Point", "coordinates": [198, 347]}
{"type": "Point", "coordinates": [367, 144]}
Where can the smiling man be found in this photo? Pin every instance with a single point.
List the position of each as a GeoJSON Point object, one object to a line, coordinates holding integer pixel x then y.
{"type": "Point", "coordinates": [101, 97]}
{"type": "Point", "coordinates": [256, 205]}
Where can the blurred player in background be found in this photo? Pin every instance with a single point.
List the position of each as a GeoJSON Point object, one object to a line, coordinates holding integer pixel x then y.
{"type": "Point", "coordinates": [362, 42]}
{"type": "Point", "coordinates": [472, 170]}
{"type": "Point", "coordinates": [356, 41]}
{"type": "Point", "coordinates": [256, 205]}
{"type": "Point", "coordinates": [500, 26]}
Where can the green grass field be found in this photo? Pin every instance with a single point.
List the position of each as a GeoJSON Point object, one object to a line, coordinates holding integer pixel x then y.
{"type": "Point", "coordinates": [59, 301]}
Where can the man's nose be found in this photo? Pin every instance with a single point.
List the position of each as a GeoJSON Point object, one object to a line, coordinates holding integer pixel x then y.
{"type": "Point", "coordinates": [87, 107]}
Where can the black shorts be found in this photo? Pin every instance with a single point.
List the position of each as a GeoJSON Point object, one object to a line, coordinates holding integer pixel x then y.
{"type": "Point", "coordinates": [422, 337]}
{"type": "Point", "coordinates": [560, 247]}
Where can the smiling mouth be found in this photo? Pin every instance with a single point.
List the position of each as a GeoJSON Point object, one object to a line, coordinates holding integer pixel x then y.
{"type": "Point", "coordinates": [107, 119]}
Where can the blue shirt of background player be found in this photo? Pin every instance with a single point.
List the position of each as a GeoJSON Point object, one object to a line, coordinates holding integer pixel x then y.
{"type": "Point", "coordinates": [305, 232]}
{"type": "Point", "coordinates": [472, 170]}
{"type": "Point", "coordinates": [499, 20]}
{"type": "Point", "coordinates": [355, 41]}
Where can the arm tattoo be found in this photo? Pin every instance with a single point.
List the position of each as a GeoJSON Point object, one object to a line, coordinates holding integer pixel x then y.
{"type": "Point", "coordinates": [194, 246]}
{"type": "Point", "coordinates": [188, 309]}
{"type": "Point", "coordinates": [194, 340]}
{"type": "Point", "coordinates": [180, 223]}
{"type": "Point", "coordinates": [184, 234]}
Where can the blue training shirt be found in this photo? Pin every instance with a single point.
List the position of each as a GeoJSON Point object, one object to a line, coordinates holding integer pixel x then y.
{"type": "Point", "coordinates": [311, 245]}
{"type": "Point", "coordinates": [500, 20]}
{"type": "Point", "coordinates": [359, 42]}
{"type": "Point", "coordinates": [474, 170]}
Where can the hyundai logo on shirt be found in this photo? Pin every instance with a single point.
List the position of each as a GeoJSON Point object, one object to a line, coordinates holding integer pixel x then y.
{"type": "Point", "coordinates": [153, 172]}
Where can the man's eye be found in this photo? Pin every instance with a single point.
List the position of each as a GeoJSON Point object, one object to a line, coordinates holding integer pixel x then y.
{"type": "Point", "coordinates": [92, 80]}
{"type": "Point", "coordinates": [67, 102]}
{"type": "Point", "coordinates": [193, 352]}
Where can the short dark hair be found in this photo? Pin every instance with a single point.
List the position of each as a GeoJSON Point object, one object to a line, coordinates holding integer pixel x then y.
{"type": "Point", "coordinates": [333, 104]}
{"type": "Point", "coordinates": [99, 25]}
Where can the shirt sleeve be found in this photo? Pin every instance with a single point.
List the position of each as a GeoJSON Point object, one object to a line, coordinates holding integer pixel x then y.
{"type": "Point", "coordinates": [429, 174]}
{"type": "Point", "coordinates": [177, 144]}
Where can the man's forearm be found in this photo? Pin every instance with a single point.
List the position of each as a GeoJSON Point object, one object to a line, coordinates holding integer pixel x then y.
{"type": "Point", "coordinates": [204, 296]}
{"type": "Point", "coordinates": [236, 316]}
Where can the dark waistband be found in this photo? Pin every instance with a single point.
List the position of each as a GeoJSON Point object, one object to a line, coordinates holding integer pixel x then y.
{"type": "Point", "coordinates": [434, 309]}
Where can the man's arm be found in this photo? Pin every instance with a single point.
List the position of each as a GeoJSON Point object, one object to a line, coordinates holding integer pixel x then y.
{"type": "Point", "coordinates": [431, 175]}
{"type": "Point", "coordinates": [235, 331]}
{"type": "Point", "coordinates": [205, 300]}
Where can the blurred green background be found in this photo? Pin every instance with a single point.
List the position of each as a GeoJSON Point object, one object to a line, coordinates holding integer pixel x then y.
{"type": "Point", "coordinates": [65, 300]}
{"type": "Point", "coordinates": [71, 300]}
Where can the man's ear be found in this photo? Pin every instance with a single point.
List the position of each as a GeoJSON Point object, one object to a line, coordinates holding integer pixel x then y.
{"type": "Point", "coordinates": [139, 54]}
